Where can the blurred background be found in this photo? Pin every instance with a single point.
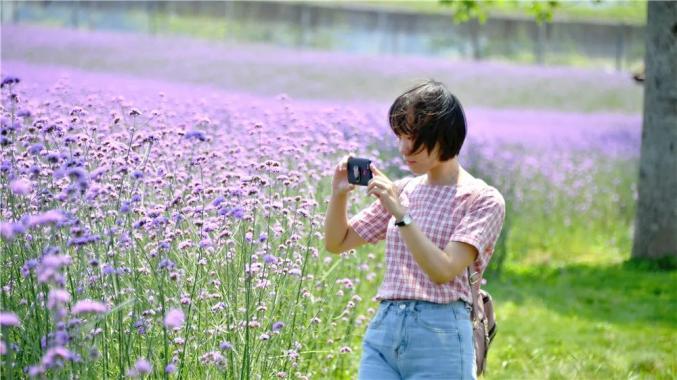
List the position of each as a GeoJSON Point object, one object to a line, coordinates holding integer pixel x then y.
{"type": "Point", "coordinates": [597, 34]}
{"type": "Point", "coordinates": [554, 97]}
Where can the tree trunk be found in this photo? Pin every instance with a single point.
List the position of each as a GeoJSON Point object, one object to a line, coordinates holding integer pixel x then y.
{"type": "Point", "coordinates": [656, 219]}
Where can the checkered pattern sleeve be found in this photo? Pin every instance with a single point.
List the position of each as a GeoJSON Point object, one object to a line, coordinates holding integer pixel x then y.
{"type": "Point", "coordinates": [481, 224]}
{"type": "Point", "coordinates": [372, 222]}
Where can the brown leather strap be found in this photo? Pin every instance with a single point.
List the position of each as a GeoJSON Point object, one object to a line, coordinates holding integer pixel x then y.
{"type": "Point", "coordinates": [475, 292]}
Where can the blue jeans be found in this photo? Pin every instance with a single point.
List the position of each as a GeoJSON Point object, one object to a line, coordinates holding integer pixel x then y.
{"type": "Point", "coordinates": [412, 339]}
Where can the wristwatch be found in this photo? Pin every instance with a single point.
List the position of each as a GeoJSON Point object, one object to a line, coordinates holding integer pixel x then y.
{"type": "Point", "coordinates": [406, 220]}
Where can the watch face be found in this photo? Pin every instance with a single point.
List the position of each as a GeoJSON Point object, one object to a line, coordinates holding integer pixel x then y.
{"type": "Point", "coordinates": [405, 221]}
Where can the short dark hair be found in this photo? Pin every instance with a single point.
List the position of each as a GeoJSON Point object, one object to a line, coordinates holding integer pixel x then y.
{"type": "Point", "coordinates": [430, 114]}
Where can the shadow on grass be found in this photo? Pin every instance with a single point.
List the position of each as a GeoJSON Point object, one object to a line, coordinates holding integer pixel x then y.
{"type": "Point", "coordinates": [625, 293]}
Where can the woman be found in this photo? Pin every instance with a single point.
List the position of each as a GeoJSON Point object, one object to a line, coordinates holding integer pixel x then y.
{"type": "Point", "coordinates": [436, 225]}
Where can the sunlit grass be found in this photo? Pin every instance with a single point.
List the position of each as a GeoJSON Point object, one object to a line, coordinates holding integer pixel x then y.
{"type": "Point", "coordinates": [584, 321]}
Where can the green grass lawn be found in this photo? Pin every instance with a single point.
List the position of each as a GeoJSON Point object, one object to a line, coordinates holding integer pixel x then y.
{"type": "Point", "coordinates": [584, 322]}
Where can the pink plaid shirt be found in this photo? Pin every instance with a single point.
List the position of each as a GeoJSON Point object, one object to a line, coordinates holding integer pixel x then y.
{"type": "Point", "coordinates": [471, 212]}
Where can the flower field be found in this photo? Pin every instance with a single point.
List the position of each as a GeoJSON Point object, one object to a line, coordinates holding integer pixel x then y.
{"type": "Point", "coordinates": [165, 228]}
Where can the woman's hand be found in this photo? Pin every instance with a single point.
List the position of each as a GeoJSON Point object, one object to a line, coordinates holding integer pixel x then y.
{"type": "Point", "coordinates": [340, 184]}
{"type": "Point", "coordinates": [386, 192]}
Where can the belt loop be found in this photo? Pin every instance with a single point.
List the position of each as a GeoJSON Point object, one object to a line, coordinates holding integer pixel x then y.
{"type": "Point", "coordinates": [386, 306]}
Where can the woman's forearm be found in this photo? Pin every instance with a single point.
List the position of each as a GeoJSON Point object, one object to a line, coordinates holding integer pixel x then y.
{"type": "Point", "coordinates": [436, 263]}
{"type": "Point", "coordinates": [336, 222]}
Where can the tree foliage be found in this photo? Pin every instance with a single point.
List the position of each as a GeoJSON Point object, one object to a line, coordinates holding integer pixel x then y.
{"type": "Point", "coordinates": [465, 10]}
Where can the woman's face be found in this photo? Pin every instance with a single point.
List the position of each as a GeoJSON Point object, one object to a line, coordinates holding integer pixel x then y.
{"type": "Point", "coordinates": [419, 162]}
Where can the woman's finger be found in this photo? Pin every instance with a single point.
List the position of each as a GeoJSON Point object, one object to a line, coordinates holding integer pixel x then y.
{"type": "Point", "coordinates": [376, 171]}
{"type": "Point", "coordinates": [380, 182]}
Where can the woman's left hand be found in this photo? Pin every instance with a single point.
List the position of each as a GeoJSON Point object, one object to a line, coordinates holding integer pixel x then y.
{"type": "Point", "coordinates": [386, 192]}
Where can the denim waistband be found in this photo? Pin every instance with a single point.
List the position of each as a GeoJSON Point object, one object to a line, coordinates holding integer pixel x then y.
{"type": "Point", "coordinates": [419, 305]}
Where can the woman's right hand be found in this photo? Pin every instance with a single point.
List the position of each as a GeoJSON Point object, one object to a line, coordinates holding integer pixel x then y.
{"type": "Point", "coordinates": [339, 184]}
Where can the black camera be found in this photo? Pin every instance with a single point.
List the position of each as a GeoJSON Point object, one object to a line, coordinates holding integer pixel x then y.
{"type": "Point", "coordinates": [358, 171]}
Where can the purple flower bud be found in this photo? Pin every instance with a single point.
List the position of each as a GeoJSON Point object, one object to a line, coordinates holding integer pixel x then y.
{"type": "Point", "coordinates": [143, 367]}
{"type": "Point", "coordinates": [61, 338]}
{"type": "Point", "coordinates": [34, 171]}
{"type": "Point", "coordinates": [9, 80]}
{"type": "Point", "coordinates": [55, 355]}
{"type": "Point", "coordinates": [57, 297]}
{"type": "Point", "coordinates": [89, 306]}
{"type": "Point", "coordinates": [5, 166]}
{"type": "Point", "coordinates": [49, 217]}
{"type": "Point", "coordinates": [270, 259]}
{"type": "Point", "coordinates": [21, 186]}
{"type": "Point", "coordinates": [237, 213]}
{"type": "Point", "coordinates": [197, 135]}
{"type": "Point", "coordinates": [277, 326]}
{"type": "Point", "coordinates": [36, 149]}
{"type": "Point", "coordinates": [10, 230]}
{"type": "Point", "coordinates": [28, 265]}
{"type": "Point", "coordinates": [165, 263]}
{"type": "Point", "coordinates": [78, 174]}
{"type": "Point", "coordinates": [53, 158]}
{"type": "Point", "coordinates": [9, 319]}
{"type": "Point", "coordinates": [174, 318]}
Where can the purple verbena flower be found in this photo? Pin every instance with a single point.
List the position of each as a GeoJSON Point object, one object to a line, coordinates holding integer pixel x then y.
{"type": "Point", "coordinates": [35, 149]}
{"type": "Point", "coordinates": [270, 259]}
{"type": "Point", "coordinates": [124, 208]}
{"type": "Point", "coordinates": [57, 297]}
{"type": "Point", "coordinates": [142, 367]}
{"type": "Point", "coordinates": [9, 319]}
{"type": "Point", "coordinates": [174, 318]}
{"type": "Point", "coordinates": [277, 326]}
{"type": "Point", "coordinates": [55, 356]}
{"type": "Point", "coordinates": [48, 217]}
{"type": "Point", "coordinates": [21, 186]}
{"type": "Point", "coordinates": [11, 229]}
{"type": "Point", "coordinates": [9, 80]}
{"type": "Point", "coordinates": [89, 306]}
{"type": "Point", "coordinates": [218, 200]}
{"type": "Point", "coordinates": [197, 135]}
